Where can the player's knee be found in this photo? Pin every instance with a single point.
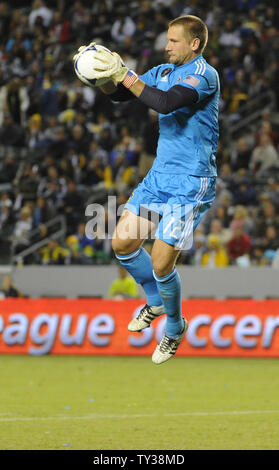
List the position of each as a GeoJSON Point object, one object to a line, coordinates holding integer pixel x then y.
{"type": "Point", "coordinates": [162, 267]}
{"type": "Point", "coordinates": [123, 246]}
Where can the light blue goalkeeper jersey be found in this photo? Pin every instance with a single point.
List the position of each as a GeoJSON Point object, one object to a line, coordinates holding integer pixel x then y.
{"type": "Point", "coordinates": [188, 136]}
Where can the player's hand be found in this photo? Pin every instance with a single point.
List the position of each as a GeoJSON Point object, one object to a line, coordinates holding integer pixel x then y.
{"type": "Point", "coordinates": [107, 63]}
{"type": "Point", "coordinates": [121, 73]}
{"type": "Point", "coordinates": [98, 66]}
{"type": "Point", "coordinates": [113, 67]}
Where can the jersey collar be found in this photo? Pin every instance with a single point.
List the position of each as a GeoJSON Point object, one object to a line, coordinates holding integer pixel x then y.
{"type": "Point", "coordinates": [176, 67]}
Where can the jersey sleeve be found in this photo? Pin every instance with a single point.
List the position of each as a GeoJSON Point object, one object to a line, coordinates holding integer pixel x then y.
{"type": "Point", "coordinates": [205, 85]}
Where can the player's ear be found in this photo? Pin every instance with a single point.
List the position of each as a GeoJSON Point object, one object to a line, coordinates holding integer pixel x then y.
{"type": "Point", "coordinates": [196, 44]}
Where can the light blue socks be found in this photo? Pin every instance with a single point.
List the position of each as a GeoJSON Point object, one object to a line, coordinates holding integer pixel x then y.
{"type": "Point", "coordinates": [159, 290]}
{"type": "Point", "coordinates": [139, 265]}
{"type": "Point", "coordinates": [170, 290]}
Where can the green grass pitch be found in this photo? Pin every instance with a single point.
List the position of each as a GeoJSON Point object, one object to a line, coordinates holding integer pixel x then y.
{"type": "Point", "coordinates": [123, 403]}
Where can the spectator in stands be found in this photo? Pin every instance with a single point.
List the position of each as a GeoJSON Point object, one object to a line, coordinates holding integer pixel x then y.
{"type": "Point", "coordinates": [237, 99]}
{"type": "Point", "coordinates": [272, 191]}
{"type": "Point", "coordinates": [60, 28]}
{"type": "Point", "coordinates": [230, 36]}
{"type": "Point", "coordinates": [53, 254]}
{"type": "Point", "coordinates": [8, 288]}
{"type": "Point", "coordinates": [9, 169]}
{"type": "Point", "coordinates": [101, 27]}
{"type": "Point", "coordinates": [52, 126]}
{"type": "Point", "coordinates": [59, 144]}
{"type": "Point", "coordinates": [6, 216]}
{"type": "Point", "coordinates": [253, 57]}
{"type": "Point", "coordinates": [52, 177]}
{"type": "Point", "coordinates": [216, 228]}
{"type": "Point", "coordinates": [19, 42]}
{"type": "Point", "coordinates": [222, 155]}
{"type": "Point", "coordinates": [267, 217]}
{"type": "Point", "coordinates": [78, 140]}
{"type": "Point", "coordinates": [106, 140]}
{"type": "Point", "coordinates": [86, 244]}
{"type": "Point", "coordinates": [242, 219]}
{"type": "Point", "coordinates": [216, 256]}
{"type": "Point", "coordinates": [199, 249]}
{"type": "Point", "coordinates": [66, 169]}
{"type": "Point", "coordinates": [11, 133]}
{"type": "Point", "coordinates": [264, 156]}
{"type": "Point", "coordinates": [123, 28]}
{"type": "Point", "coordinates": [256, 85]}
{"type": "Point", "coordinates": [239, 244]}
{"type": "Point", "coordinates": [240, 157]}
{"type": "Point", "coordinates": [41, 213]}
{"type": "Point", "coordinates": [266, 128]}
{"type": "Point", "coordinates": [14, 101]}
{"type": "Point", "coordinates": [5, 18]}
{"type": "Point", "coordinates": [75, 255]}
{"type": "Point", "coordinates": [245, 193]}
{"type": "Point", "coordinates": [119, 173]}
{"type": "Point", "coordinates": [124, 286]}
{"type": "Point", "coordinates": [246, 5]}
{"type": "Point", "coordinates": [226, 177]}
{"type": "Point", "coordinates": [22, 230]}
{"type": "Point", "coordinates": [72, 207]}
{"type": "Point", "coordinates": [78, 17]}
{"type": "Point", "coordinates": [36, 136]}
{"type": "Point", "coordinates": [271, 239]}
{"type": "Point", "coordinates": [53, 194]}
{"type": "Point", "coordinates": [28, 182]}
{"type": "Point", "coordinates": [93, 172]}
{"type": "Point", "coordinates": [40, 11]}
{"type": "Point", "coordinates": [257, 256]}
{"type": "Point", "coordinates": [5, 200]}
{"type": "Point", "coordinates": [97, 151]}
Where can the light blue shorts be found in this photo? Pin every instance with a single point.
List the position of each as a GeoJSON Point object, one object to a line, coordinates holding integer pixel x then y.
{"type": "Point", "coordinates": [177, 201]}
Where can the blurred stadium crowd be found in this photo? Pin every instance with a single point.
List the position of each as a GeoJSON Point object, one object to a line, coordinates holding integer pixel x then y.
{"type": "Point", "coordinates": [64, 145]}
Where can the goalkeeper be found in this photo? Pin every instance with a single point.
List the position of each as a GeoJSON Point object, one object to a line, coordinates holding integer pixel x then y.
{"type": "Point", "coordinates": [185, 92]}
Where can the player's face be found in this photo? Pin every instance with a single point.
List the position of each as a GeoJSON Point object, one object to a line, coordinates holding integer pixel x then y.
{"type": "Point", "coordinates": [179, 48]}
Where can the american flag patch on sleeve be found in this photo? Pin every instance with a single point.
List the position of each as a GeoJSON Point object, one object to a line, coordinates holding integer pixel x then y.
{"type": "Point", "coordinates": [193, 81]}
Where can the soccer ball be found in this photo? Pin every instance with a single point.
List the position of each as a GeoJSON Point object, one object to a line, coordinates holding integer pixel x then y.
{"type": "Point", "coordinates": [84, 65]}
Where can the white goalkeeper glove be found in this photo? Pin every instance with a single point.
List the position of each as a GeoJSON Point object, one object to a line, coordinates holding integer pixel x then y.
{"type": "Point", "coordinates": [111, 65]}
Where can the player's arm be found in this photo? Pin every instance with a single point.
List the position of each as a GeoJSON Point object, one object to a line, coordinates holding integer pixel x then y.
{"type": "Point", "coordinates": [117, 92]}
{"type": "Point", "coordinates": [163, 102]}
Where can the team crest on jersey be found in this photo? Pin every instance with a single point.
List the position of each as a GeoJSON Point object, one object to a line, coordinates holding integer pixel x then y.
{"type": "Point", "coordinates": [164, 74]}
{"type": "Point", "coordinates": [179, 79]}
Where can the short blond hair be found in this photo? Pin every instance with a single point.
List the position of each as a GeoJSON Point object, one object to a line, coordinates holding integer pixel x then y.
{"type": "Point", "coordinates": [194, 26]}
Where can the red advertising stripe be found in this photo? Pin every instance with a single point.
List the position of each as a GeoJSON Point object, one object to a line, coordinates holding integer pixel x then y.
{"type": "Point", "coordinates": [247, 328]}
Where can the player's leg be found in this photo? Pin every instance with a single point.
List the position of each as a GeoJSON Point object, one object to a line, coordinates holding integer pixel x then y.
{"type": "Point", "coordinates": [191, 199]}
{"type": "Point", "coordinates": [164, 257]}
{"type": "Point", "coordinates": [127, 239]}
